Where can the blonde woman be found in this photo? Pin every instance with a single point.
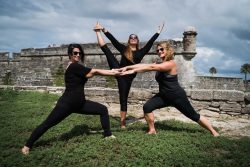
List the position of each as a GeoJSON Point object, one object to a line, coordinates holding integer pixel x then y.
{"type": "Point", "coordinates": [170, 92]}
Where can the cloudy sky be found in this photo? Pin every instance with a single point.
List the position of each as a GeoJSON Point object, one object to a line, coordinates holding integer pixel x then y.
{"type": "Point", "coordinates": [223, 26]}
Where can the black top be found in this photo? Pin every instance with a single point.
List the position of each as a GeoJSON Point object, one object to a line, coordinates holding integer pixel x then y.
{"type": "Point", "coordinates": [137, 55]}
{"type": "Point", "coordinates": [169, 86]}
{"type": "Point", "coordinates": [75, 79]}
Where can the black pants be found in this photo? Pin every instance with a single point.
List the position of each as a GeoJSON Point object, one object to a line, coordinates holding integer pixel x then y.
{"type": "Point", "coordinates": [124, 82]}
{"type": "Point", "coordinates": [182, 104]}
{"type": "Point", "coordinates": [63, 110]}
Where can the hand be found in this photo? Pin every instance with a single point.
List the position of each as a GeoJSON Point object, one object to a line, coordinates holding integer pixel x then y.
{"type": "Point", "coordinates": [116, 72]}
{"type": "Point", "coordinates": [98, 27]}
{"type": "Point", "coordinates": [128, 72]}
{"type": "Point", "coordinates": [160, 27]}
{"type": "Point", "coordinates": [123, 69]}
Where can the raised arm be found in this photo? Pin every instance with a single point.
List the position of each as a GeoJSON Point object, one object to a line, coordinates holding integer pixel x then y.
{"type": "Point", "coordinates": [151, 41]}
{"type": "Point", "coordinates": [160, 28]}
{"type": "Point", "coordinates": [100, 39]}
{"type": "Point", "coordinates": [120, 47]}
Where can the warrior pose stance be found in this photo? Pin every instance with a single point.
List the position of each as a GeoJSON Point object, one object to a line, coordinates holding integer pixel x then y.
{"type": "Point", "coordinates": [170, 92]}
{"type": "Point", "coordinates": [73, 99]}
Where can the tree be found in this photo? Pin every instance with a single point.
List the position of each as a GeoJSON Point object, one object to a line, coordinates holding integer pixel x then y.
{"type": "Point", "coordinates": [213, 70]}
{"type": "Point", "coordinates": [245, 68]}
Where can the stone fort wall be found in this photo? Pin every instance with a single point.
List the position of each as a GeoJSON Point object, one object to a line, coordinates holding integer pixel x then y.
{"type": "Point", "coordinates": [38, 66]}
{"type": "Point", "coordinates": [215, 102]}
{"type": "Point", "coordinates": [35, 69]}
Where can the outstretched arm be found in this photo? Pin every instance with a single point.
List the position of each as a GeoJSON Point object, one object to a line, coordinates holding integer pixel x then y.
{"type": "Point", "coordinates": [163, 67]}
{"type": "Point", "coordinates": [102, 72]}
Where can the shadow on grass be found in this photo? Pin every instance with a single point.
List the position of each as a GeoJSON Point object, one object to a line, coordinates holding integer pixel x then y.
{"type": "Point", "coordinates": [131, 122]}
{"type": "Point", "coordinates": [129, 119]}
{"type": "Point", "coordinates": [78, 130]}
{"type": "Point", "coordinates": [135, 124]}
{"type": "Point", "coordinates": [178, 126]}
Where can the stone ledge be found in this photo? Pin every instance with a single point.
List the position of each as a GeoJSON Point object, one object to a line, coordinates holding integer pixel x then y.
{"type": "Point", "coordinates": [229, 102]}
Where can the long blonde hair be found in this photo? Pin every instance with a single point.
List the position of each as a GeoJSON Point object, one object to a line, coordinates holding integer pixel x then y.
{"type": "Point", "coordinates": [128, 52]}
{"type": "Point", "coordinates": [168, 49]}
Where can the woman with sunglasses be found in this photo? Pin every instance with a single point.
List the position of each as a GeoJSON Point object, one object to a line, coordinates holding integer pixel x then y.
{"type": "Point", "coordinates": [130, 54]}
{"type": "Point", "coordinates": [170, 92]}
{"type": "Point", "coordinates": [73, 99]}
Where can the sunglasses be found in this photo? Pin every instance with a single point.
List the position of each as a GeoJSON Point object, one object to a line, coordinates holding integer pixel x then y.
{"type": "Point", "coordinates": [77, 53]}
{"type": "Point", "coordinates": [158, 50]}
{"type": "Point", "coordinates": [133, 37]}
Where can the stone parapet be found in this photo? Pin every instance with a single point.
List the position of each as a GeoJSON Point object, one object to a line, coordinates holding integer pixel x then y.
{"type": "Point", "coordinates": [4, 56]}
{"type": "Point", "coordinates": [230, 102]}
{"type": "Point", "coordinates": [222, 83]}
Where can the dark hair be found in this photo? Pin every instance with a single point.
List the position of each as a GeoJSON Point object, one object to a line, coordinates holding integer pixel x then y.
{"type": "Point", "coordinates": [133, 35]}
{"type": "Point", "coordinates": [75, 45]}
{"type": "Point", "coordinates": [128, 52]}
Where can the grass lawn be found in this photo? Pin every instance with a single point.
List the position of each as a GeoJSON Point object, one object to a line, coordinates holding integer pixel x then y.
{"type": "Point", "coordinates": [77, 141]}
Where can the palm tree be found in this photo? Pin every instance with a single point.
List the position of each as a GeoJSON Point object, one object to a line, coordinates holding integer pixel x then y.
{"type": "Point", "coordinates": [213, 70]}
{"type": "Point", "coordinates": [245, 68]}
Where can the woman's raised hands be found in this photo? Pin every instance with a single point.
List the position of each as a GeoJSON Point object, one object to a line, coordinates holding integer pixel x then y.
{"type": "Point", "coordinates": [98, 27]}
{"type": "Point", "coordinates": [160, 28]}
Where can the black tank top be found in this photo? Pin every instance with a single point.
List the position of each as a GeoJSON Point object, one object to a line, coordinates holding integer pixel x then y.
{"type": "Point", "coordinates": [169, 86]}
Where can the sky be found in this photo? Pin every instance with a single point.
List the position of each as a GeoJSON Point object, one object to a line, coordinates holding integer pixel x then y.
{"type": "Point", "coordinates": [223, 26]}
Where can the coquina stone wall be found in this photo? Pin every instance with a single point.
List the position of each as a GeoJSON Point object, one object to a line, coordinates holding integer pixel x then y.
{"type": "Point", "coordinates": [39, 66]}
{"type": "Point", "coordinates": [214, 82]}
{"type": "Point", "coordinates": [230, 102]}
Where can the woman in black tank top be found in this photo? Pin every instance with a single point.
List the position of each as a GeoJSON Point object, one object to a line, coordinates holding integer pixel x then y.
{"type": "Point", "coordinates": [170, 92]}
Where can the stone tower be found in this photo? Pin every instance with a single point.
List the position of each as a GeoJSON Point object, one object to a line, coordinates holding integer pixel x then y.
{"type": "Point", "coordinates": [186, 71]}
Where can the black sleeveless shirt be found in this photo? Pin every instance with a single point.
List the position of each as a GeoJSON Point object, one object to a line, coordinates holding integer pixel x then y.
{"type": "Point", "coordinates": [169, 86]}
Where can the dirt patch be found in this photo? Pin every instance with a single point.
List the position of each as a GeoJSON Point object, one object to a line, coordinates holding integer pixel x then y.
{"type": "Point", "coordinates": [227, 125]}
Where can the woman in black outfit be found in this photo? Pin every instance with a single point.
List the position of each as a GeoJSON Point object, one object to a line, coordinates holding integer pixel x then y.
{"type": "Point", "coordinates": [73, 99]}
{"type": "Point", "coordinates": [170, 92]}
{"type": "Point", "coordinates": [130, 54]}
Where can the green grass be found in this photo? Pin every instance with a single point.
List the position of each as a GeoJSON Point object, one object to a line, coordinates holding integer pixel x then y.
{"type": "Point", "coordinates": [74, 143]}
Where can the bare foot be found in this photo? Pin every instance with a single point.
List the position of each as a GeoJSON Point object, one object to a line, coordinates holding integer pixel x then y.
{"type": "Point", "coordinates": [123, 127]}
{"type": "Point", "coordinates": [151, 132]}
{"type": "Point", "coordinates": [215, 134]}
{"type": "Point", "coordinates": [25, 150]}
{"type": "Point", "coordinates": [123, 124]}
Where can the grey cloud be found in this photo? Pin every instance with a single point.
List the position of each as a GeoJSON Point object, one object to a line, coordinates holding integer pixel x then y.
{"type": "Point", "coordinates": [242, 34]}
{"type": "Point", "coordinates": [17, 8]}
{"type": "Point", "coordinates": [222, 25]}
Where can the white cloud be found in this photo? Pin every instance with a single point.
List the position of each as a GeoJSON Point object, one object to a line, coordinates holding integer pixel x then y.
{"type": "Point", "coordinates": [212, 57]}
{"type": "Point", "coordinates": [222, 25]}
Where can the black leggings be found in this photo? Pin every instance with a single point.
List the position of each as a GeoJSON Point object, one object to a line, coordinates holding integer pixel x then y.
{"type": "Point", "coordinates": [182, 104]}
{"type": "Point", "coordinates": [62, 110]}
{"type": "Point", "coordinates": [124, 82]}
